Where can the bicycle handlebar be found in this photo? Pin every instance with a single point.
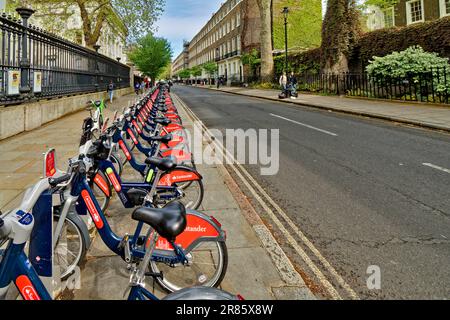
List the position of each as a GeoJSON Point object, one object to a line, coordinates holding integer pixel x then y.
{"type": "Point", "coordinates": [55, 181]}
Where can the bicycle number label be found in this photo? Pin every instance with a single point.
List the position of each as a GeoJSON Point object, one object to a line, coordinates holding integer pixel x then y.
{"type": "Point", "coordinates": [26, 288]}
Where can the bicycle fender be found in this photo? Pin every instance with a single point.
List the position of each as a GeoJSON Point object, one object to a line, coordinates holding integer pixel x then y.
{"type": "Point", "coordinates": [200, 227]}
{"type": "Point", "coordinates": [76, 219]}
{"type": "Point", "coordinates": [179, 174]}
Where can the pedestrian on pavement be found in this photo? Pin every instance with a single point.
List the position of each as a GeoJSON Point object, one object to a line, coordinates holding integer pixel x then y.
{"type": "Point", "coordinates": [283, 83]}
{"type": "Point", "coordinates": [137, 87]}
{"type": "Point", "coordinates": [218, 82]}
{"type": "Point", "coordinates": [292, 79]}
{"type": "Point", "coordinates": [292, 85]}
{"type": "Point", "coordinates": [110, 90]}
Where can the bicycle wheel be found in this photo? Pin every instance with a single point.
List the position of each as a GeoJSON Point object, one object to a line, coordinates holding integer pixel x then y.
{"type": "Point", "coordinates": [191, 198]}
{"type": "Point", "coordinates": [70, 249]}
{"type": "Point", "coordinates": [208, 262]}
{"type": "Point", "coordinates": [102, 198]}
{"type": "Point", "coordinates": [118, 166]}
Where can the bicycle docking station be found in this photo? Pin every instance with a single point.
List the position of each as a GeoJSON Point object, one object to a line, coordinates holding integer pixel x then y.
{"type": "Point", "coordinates": [41, 243]}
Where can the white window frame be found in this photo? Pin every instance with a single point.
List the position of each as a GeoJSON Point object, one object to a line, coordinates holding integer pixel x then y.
{"type": "Point", "coordinates": [393, 16]}
{"type": "Point", "coordinates": [408, 12]}
{"type": "Point", "coordinates": [442, 9]}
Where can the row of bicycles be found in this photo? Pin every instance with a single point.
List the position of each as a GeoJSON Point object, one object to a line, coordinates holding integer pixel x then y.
{"type": "Point", "coordinates": [173, 244]}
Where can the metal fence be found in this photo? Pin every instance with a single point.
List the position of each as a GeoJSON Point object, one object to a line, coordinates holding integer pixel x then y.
{"type": "Point", "coordinates": [432, 85]}
{"type": "Point", "coordinates": [35, 64]}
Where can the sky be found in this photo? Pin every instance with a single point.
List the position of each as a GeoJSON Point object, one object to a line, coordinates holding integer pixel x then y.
{"type": "Point", "coordinates": [182, 19]}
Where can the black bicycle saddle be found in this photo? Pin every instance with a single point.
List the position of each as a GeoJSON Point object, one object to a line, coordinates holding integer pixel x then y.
{"type": "Point", "coordinates": [164, 164]}
{"type": "Point", "coordinates": [168, 222]}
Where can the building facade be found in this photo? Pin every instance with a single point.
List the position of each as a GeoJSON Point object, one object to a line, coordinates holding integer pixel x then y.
{"type": "Point", "coordinates": [182, 61]}
{"type": "Point", "coordinates": [407, 12]}
{"type": "Point", "coordinates": [235, 30]}
{"type": "Point", "coordinates": [220, 41]}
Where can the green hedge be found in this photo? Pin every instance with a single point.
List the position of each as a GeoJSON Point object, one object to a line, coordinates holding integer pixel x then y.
{"type": "Point", "coordinates": [432, 36]}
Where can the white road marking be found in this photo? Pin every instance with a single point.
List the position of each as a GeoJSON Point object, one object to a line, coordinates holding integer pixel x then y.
{"type": "Point", "coordinates": [322, 278]}
{"type": "Point", "coordinates": [305, 125]}
{"type": "Point", "coordinates": [436, 167]}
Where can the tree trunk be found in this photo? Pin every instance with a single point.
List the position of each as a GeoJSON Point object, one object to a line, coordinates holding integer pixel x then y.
{"type": "Point", "coordinates": [267, 64]}
{"type": "Point", "coordinates": [339, 31]}
{"type": "Point", "coordinates": [91, 36]}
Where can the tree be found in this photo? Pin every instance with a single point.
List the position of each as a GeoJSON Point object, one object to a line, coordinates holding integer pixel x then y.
{"type": "Point", "coordinates": [340, 29]}
{"type": "Point", "coordinates": [151, 55]}
{"type": "Point", "coordinates": [210, 68]}
{"type": "Point", "coordinates": [196, 71]}
{"type": "Point", "coordinates": [267, 64]}
{"type": "Point", "coordinates": [167, 72]}
{"type": "Point", "coordinates": [185, 74]}
{"type": "Point", "coordinates": [135, 17]}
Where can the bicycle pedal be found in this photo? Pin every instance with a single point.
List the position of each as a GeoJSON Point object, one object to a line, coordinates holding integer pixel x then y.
{"type": "Point", "coordinates": [155, 275]}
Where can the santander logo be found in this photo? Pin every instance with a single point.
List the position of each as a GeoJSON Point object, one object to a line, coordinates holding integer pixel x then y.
{"type": "Point", "coordinates": [102, 184]}
{"type": "Point", "coordinates": [125, 150]}
{"type": "Point", "coordinates": [199, 228]}
{"type": "Point", "coordinates": [92, 209]}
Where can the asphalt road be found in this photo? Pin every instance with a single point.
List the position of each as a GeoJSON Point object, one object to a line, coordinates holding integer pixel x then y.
{"type": "Point", "coordinates": [358, 188]}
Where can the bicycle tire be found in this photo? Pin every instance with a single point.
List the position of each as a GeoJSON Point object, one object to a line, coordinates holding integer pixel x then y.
{"type": "Point", "coordinates": [67, 271]}
{"type": "Point", "coordinates": [214, 282]}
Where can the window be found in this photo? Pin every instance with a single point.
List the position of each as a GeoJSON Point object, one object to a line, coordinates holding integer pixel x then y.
{"type": "Point", "coordinates": [389, 20]}
{"type": "Point", "coordinates": [444, 7]}
{"type": "Point", "coordinates": [414, 11]}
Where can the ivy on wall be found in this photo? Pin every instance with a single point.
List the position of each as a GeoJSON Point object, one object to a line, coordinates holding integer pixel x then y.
{"type": "Point", "coordinates": [304, 24]}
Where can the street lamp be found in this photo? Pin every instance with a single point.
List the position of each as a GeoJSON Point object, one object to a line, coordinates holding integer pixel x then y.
{"type": "Point", "coordinates": [97, 71]}
{"type": "Point", "coordinates": [285, 13]}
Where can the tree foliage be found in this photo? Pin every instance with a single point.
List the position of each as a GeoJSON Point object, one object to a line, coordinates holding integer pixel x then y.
{"type": "Point", "coordinates": [133, 18]}
{"type": "Point", "coordinates": [196, 71]}
{"type": "Point", "coordinates": [407, 63]}
{"type": "Point", "coordinates": [151, 55]}
{"type": "Point", "coordinates": [210, 68]}
{"type": "Point", "coordinates": [184, 74]}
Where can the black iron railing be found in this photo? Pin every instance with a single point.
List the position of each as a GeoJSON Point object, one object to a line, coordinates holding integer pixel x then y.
{"type": "Point", "coordinates": [35, 64]}
{"type": "Point", "coordinates": [431, 85]}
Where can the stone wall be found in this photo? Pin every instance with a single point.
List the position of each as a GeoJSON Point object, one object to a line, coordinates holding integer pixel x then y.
{"type": "Point", "coordinates": [29, 116]}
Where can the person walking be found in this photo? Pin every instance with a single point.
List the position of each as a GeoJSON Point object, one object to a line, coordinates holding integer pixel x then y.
{"type": "Point", "coordinates": [110, 91]}
{"type": "Point", "coordinates": [137, 87]}
{"type": "Point", "coordinates": [283, 83]}
{"type": "Point", "coordinates": [292, 82]}
{"type": "Point", "coordinates": [218, 82]}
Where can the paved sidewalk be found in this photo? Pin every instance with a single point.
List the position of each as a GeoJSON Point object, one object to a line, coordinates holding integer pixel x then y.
{"type": "Point", "coordinates": [251, 270]}
{"type": "Point", "coordinates": [430, 116]}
